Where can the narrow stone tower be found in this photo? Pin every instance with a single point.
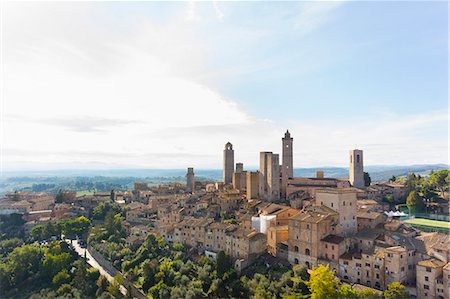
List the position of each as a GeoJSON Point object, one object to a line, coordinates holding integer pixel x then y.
{"type": "Point", "coordinates": [287, 167]}
{"type": "Point", "coordinates": [228, 163]}
{"type": "Point", "coordinates": [356, 169]}
{"type": "Point", "coordinates": [190, 179]}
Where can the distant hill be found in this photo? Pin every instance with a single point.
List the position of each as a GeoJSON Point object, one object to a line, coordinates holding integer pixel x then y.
{"type": "Point", "coordinates": [121, 179]}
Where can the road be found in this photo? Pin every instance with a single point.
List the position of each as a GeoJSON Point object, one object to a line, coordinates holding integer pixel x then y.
{"type": "Point", "coordinates": [91, 261]}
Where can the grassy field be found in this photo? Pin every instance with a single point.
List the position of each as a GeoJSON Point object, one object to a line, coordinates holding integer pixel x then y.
{"type": "Point", "coordinates": [428, 222]}
{"type": "Point", "coordinates": [84, 192]}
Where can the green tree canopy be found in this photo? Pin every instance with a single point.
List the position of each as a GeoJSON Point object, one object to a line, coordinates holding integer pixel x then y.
{"type": "Point", "coordinates": [396, 291]}
{"type": "Point", "coordinates": [322, 284]}
{"type": "Point", "coordinates": [415, 202]}
{"type": "Point", "coordinates": [440, 181]}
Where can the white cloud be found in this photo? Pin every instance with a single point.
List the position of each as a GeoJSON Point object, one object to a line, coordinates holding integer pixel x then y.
{"type": "Point", "coordinates": [81, 93]}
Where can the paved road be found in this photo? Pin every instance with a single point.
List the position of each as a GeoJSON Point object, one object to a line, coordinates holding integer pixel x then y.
{"type": "Point", "coordinates": [91, 261]}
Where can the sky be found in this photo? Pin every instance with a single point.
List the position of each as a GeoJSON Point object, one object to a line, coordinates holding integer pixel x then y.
{"type": "Point", "coordinates": [89, 85]}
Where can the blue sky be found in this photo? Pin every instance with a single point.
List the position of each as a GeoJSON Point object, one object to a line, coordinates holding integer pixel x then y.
{"type": "Point", "coordinates": [368, 74]}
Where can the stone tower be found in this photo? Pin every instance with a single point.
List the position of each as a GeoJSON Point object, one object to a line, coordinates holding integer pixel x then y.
{"type": "Point", "coordinates": [287, 167]}
{"type": "Point", "coordinates": [190, 179]}
{"type": "Point", "coordinates": [228, 163]}
{"type": "Point", "coordinates": [356, 169]}
{"type": "Point", "coordinates": [269, 168]}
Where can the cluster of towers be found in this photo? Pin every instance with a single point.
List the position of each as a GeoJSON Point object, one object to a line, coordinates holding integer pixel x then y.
{"type": "Point", "coordinates": [272, 179]}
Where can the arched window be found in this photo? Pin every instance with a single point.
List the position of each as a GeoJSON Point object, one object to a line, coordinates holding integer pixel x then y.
{"type": "Point", "coordinates": [296, 261]}
{"type": "Point", "coordinates": [296, 248]}
{"type": "Point", "coordinates": [307, 252]}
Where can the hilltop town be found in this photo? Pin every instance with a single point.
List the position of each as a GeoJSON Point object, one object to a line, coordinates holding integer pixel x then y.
{"type": "Point", "coordinates": [351, 224]}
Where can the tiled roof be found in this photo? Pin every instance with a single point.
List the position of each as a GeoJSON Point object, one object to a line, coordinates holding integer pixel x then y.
{"type": "Point", "coordinates": [432, 263]}
{"type": "Point", "coordinates": [333, 239]}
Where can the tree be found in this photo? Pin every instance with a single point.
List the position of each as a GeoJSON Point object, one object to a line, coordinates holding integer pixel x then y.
{"type": "Point", "coordinates": [428, 193]}
{"type": "Point", "coordinates": [393, 179]}
{"type": "Point", "coordinates": [369, 294]}
{"type": "Point", "coordinates": [23, 262]}
{"type": "Point", "coordinates": [80, 225]}
{"type": "Point", "coordinates": [61, 277]}
{"type": "Point", "coordinates": [411, 183]}
{"type": "Point", "coordinates": [223, 263]}
{"type": "Point", "coordinates": [322, 283]}
{"type": "Point", "coordinates": [346, 292]}
{"type": "Point", "coordinates": [396, 291]}
{"type": "Point", "coordinates": [415, 202]}
{"type": "Point", "coordinates": [440, 181]}
{"type": "Point", "coordinates": [367, 179]}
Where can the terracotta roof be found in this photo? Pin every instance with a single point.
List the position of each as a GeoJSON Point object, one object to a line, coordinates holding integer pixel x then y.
{"type": "Point", "coordinates": [369, 215]}
{"type": "Point", "coordinates": [333, 239]}
{"type": "Point", "coordinates": [368, 234]}
{"type": "Point", "coordinates": [338, 190]}
{"type": "Point", "coordinates": [396, 249]}
{"type": "Point", "coordinates": [432, 263]}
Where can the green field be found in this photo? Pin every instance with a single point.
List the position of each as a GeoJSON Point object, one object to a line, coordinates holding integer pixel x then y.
{"type": "Point", "coordinates": [429, 223]}
{"type": "Point", "coordinates": [84, 192]}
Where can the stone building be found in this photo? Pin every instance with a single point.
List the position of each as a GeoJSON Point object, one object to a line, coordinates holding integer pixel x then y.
{"type": "Point", "coordinates": [269, 185]}
{"type": "Point", "coordinates": [306, 230]}
{"type": "Point", "coordinates": [190, 180]}
{"type": "Point", "coordinates": [240, 178]}
{"type": "Point", "coordinates": [228, 163]}
{"type": "Point", "coordinates": [368, 219]}
{"type": "Point", "coordinates": [430, 280]}
{"type": "Point", "coordinates": [228, 200]}
{"type": "Point", "coordinates": [343, 201]}
{"type": "Point", "coordinates": [310, 185]}
{"type": "Point", "coordinates": [287, 168]}
{"type": "Point", "coordinates": [276, 235]}
{"type": "Point", "coordinates": [252, 188]}
{"type": "Point", "coordinates": [356, 169]}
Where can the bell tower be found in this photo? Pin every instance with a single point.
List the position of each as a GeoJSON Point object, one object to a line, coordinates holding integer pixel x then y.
{"type": "Point", "coordinates": [287, 167]}
{"type": "Point", "coordinates": [356, 169]}
{"type": "Point", "coordinates": [228, 163]}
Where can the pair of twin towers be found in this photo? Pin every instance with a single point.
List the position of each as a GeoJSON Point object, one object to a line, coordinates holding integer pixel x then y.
{"type": "Point", "coordinates": [272, 176]}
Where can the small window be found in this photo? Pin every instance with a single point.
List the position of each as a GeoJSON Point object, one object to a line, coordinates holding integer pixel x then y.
{"type": "Point", "coordinates": [426, 278]}
{"type": "Point", "coordinates": [426, 287]}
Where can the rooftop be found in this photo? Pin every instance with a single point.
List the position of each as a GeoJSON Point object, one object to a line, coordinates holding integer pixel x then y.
{"type": "Point", "coordinates": [432, 263]}
{"type": "Point", "coordinates": [369, 215]}
{"type": "Point", "coordinates": [333, 239]}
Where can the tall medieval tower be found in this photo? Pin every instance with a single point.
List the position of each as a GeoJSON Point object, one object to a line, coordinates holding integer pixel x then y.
{"type": "Point", "coordinates": [287, 168]}
{"type": "Point", "coordinates": [190, 179]}
{"type": "Point", "coordinates": [356, 169]}
{"type": "Point", "coordinates": [228, 163]}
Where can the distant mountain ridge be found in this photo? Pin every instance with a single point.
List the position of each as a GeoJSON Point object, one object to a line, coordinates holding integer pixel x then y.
{"type": "Point", "coordinates": [377, 172]}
